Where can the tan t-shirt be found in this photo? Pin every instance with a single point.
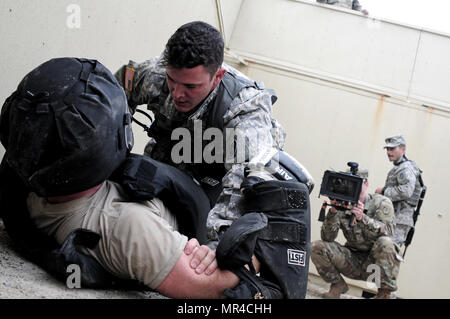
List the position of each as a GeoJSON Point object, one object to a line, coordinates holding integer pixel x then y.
{"type": "Point", "coordinates": [139, 240]}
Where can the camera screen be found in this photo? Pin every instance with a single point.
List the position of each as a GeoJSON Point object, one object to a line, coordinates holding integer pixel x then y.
{"type": "Point", "coordinates": [341, 186]}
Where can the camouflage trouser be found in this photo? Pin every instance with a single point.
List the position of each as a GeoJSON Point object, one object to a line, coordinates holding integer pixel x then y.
{"type": "Point", "coordinates": [400, 233]}
{"type": "Point", "coordinates": [332, 259]}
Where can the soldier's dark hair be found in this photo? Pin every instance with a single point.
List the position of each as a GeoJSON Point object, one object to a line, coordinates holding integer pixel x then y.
{"type": "Point", "coordinates": [193, 44]}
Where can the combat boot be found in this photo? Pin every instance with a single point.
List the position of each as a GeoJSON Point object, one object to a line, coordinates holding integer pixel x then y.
{"type": "Point", "coordinates": [336, 289]}
{"type": "Point", "coordinates": [383, 294]}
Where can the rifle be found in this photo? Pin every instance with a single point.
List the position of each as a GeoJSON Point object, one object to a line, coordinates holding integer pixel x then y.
{"type": "Point", "coordinates": [416, 214]}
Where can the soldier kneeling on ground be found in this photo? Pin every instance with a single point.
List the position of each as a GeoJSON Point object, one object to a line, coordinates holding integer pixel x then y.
{"type": "Point", "coordinates": [72, 192]}
{"type": "Point", "coordinates": [368, 243]}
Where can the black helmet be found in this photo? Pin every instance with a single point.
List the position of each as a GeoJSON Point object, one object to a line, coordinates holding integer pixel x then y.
{"type": "Point", "coordinates": [67, 127]}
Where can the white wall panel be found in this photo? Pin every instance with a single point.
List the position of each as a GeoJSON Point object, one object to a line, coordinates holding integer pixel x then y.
{"type": "Point", "coordinates": [432, 69]}
{"type": "Point", "coordinates": [340, 44]}
{"type": "Point", "coordinates": [230, 12]}
{"type": "Point", "coordinates": [111, 31]}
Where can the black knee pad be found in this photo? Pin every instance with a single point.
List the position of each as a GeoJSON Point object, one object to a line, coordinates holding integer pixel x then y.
{"type": "Point", "coordinates": [276, 229]}
{"type": "Point", "coordinates": [235, 250]}
{"type": "Point", "coordinates": [237, 245]}
{"type": "Point", "coordinates": [283, 247]}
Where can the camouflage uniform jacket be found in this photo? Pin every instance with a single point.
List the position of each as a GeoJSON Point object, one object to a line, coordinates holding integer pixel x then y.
{"type": "Point", "coordinates": [349, 4]}
{"type": "Point", "coordinates": [377, 221]}
{"type": "Point", "coordinates": [403, 188]}
{"type": "Point", "coordinates": [250, 115]}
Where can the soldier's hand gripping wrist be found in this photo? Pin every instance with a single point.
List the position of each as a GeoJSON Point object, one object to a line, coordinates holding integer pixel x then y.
{"type": "Point", "coordinates": [203, 258]}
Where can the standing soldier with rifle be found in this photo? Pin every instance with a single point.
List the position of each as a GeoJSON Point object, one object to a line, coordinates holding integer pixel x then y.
{"type": "Point", "coordinates": [404, 186]}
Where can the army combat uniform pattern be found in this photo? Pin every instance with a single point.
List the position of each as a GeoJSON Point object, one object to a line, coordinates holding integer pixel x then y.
{"type": "Point", "coordinates": [368, 243]}
{"type": "Point", "coordinates": [249, 113]}
{"type": "Point", "coordinates": [349, 4]}
{"type": "Point", "coordinates": [403, 188]}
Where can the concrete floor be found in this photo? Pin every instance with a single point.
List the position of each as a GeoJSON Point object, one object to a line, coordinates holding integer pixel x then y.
{"type": "Point", "coordinates": [20, 279]}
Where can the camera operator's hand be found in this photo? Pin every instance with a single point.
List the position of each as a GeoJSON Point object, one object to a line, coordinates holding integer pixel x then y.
{"type": "Point", "coordinates": [332, 208]}
{"type": "Point", "coordinates": [358, 210]}
{"type": "Point", "coordinates": [379, 190]}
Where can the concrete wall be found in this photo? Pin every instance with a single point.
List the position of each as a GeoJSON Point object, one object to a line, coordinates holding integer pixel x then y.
{"type": "Point", "coordinates": [111, 31]}
{"type": "Point", "coordinates": [344, 82]}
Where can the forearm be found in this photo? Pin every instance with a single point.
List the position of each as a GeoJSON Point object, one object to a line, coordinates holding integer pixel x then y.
{"type": "Point", "coordinates": [330, 227]}
{"type": "Point", "coordinates": [184, 282]}
{"type": "Point", "coordinates": [381, 222]}
{"type": "Point", "coordinates": [254, 134]}
{"type": "Point", "coordinates": [374, 228]}
{"type": "Point", "coordinates": [228, 206]}
{"type": "Point", "coordinates": [403, 186]}
{"type": "Point", "coordinates": [397, 193]}
{"type": "Point", "coordinates": [226, 210]}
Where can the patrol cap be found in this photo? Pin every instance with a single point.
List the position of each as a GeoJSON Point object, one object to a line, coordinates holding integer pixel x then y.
{"type": "Point", "coordinates": [362, 172]}
{"type": "Point", "coordinates": [395, 140]}
{"type": "Point", "coordinates": [67, 126]}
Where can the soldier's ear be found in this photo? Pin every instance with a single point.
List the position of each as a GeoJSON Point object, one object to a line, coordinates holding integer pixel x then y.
{"type": "Point", "coordinates": [218, 76]}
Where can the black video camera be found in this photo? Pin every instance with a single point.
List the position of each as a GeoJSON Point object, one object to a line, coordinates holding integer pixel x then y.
{"type": "Point", "coordinates": [345, 188]}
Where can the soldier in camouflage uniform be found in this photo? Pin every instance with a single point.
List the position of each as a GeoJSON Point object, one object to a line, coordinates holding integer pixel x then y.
{"type": "Point", "coordinates": [368, 248]}
{"type": "Point", "coordinates": [402, 186]}
{"type": "Point", "coordinates": [185, 91]}
{"type": "Point", "coordinates": [349, 4]}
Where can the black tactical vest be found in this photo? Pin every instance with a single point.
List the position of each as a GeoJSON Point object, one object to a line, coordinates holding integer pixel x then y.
{"type": "Point", "coordinates": [209, 174]}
